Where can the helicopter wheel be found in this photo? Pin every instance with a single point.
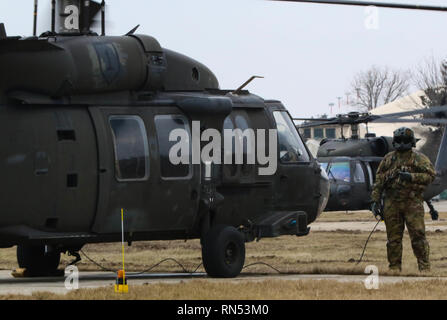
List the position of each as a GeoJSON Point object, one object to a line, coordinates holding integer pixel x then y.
{"type": "Point", "coordinates": [223, 252]}
{"type": "Point", "coordinates": [36, 262]}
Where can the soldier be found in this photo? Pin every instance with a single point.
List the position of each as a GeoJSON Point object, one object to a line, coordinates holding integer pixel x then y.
{"type": "Point", "coordinates": [402, 178]}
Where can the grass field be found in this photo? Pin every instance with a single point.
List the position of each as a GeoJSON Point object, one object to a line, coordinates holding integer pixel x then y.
{"type": "Point", "coordinates": [319, 253]}
{"type": "Point", "coordinates": [259, 290]}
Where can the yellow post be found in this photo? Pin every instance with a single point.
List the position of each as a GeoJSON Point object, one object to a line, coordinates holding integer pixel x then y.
{"type": "Point", "coordinates": [121, 284]}
{"type": "Point", "coordinates": [122, 228]}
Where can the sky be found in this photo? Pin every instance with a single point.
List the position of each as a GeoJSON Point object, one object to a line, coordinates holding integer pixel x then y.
{"type": "Point", "coordinates": [308, 53]}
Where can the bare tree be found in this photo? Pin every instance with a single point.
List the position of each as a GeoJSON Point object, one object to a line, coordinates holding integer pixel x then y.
{"type": "Point", "coordinates": [431, 76]}
{"type": "Point", "coordinates": [378, 86]}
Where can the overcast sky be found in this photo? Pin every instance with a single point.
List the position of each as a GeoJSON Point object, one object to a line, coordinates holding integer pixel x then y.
{"type": "Point", "coordinates": [308, 53]}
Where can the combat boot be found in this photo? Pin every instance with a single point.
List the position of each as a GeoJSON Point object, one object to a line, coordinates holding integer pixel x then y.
{"type": "Point", "coordinates": [424, 268]}
{"type": "Point", "coordinates": [395, 269]}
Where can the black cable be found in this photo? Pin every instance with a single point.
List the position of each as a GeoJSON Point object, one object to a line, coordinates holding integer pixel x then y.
{"type": "Point", "coordinates": [262, 263]}
{"type": "Point", "coordinates": [144, 271]}
{"type": "Point", "coordinates": [162, 261]}
{"type": "Point", "coordinates": [173, 260]}
{"type": "Point", "coordinates": [366, 244]}
{"type": "Point", "coordinates": [97, 264]}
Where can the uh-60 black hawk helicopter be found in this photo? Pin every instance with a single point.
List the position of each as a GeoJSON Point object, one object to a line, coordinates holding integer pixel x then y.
{"type": "Point", "coordinates": [85, 123]}
{"type": "Point", "coordinates": [351, 163]}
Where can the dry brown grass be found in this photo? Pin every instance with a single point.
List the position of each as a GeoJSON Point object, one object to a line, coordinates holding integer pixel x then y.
{"type": "Point", "coordinates": [259, 290]}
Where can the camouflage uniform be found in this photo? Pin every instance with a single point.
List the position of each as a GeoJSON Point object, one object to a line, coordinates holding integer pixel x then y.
{"type": "Point", "coordinates": [404, 203]}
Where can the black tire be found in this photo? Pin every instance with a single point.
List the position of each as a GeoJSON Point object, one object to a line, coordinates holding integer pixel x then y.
{"type": "Point", "coordinates": [223, 252]}
{"type": "Point", "coordinates": [36, 262]}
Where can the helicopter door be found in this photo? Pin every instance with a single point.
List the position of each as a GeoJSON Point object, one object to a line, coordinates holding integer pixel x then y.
{"type": "Point", "coordinates": [359, 185]}
{"type": "Point", "coordinates": [178, 180]}
{"type": "Point", "coordinates": [132, 174]}
{"type": "Point", "coordinates": [298, 178]}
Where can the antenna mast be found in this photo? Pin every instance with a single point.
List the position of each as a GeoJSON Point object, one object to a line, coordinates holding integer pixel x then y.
{"type": "Point", "coordinates": [53, 16]}
{"type": "Point", "coordinates": [103, 18]}
{"type": "Point", "coordinates": [86, 16]}
{"type": "Point", "coordinates": [36, 4]}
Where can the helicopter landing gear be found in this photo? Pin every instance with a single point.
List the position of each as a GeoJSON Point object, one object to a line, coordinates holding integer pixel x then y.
{"type": "Point", "coordinates": [223, 252]}
{"type": "Point", "coordinates": [38, 260]}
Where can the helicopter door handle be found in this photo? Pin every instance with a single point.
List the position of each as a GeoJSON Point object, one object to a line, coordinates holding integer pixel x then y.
{"type": "Point", "coordinates": [283, 177]}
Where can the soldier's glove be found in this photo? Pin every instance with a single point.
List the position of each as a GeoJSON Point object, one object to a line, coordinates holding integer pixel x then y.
{"type": "Point", "coordinates": [376, 209]}
{"type": "Point", "coordinates": [405, 176]}
{"type": "Point", "coordinates": [434, 215]}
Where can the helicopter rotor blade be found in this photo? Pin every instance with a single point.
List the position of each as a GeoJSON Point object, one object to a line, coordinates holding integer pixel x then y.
{"type": "Point", "coordinates": [439, 117]}
{"type": "Point", "coordinates": [370, 3]}
{"type": "Point", "coordinates": [421, 121]}
{"type": "Point", "coordinates": [314, 119]}
{"type": "Point", "coordinates": [431, 110]}
{"type": "Point", "coordinates": [317, 124]}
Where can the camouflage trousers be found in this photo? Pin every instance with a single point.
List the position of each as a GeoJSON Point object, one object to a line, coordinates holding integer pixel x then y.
{"type": "Point", "coordinates": [397, 215]}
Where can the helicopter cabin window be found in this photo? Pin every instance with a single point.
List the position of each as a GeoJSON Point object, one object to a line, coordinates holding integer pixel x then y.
{"type": "Point", "coordinates": [318, 133]}
{"type": "Point", "coordinates": [291, 147]}
{"type": "Point", "coordinates": [165, 124]}
{"type": "Point", "coordinates": [359, 174]}
{"type": "Point", "coordinates": [247, 141]}
{"type": "Point", "coordinates": [339, 171]}
{"type": "Point", "coordinates": [131, 148]}
{"type": "Point", "coordinates": [330, 133]}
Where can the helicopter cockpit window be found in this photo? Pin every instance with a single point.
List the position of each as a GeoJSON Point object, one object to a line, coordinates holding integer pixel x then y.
{"type": "Point", "coordinates": [291, 147]}
{"type": "Point", "coordinates": [338, 171]}
{"type": "Point", "coordinates": [131, 148]}
{"type": "Point", "coordinates": [370, 174]}
{"type": "Point", "coordinates": [359, 174]}
{"type": "Point", "coordinates": [165, 124]}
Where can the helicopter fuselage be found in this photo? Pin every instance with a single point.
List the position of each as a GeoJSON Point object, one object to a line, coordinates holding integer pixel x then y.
{"type": "Point", "coordinates": [92, 137]}
{"type": "Point", "coordinates": [351, 165]}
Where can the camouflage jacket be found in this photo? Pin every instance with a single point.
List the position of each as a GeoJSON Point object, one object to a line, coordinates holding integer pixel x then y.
{"type": "Point", "coordinates": [387, 178]}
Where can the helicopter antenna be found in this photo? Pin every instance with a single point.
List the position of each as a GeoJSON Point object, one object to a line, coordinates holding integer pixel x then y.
{"type": "Point", "coordinates": [238, 90]}
{"type": "Point", "coordinates": [53, 16]}
{"type": "Point", "coordinates": [376, 4]}
{"type": "Point", "coordinates": [103, 18]}
{"type": "Point", "coordinates": [131, 32]}
{"type": "Point", "coordinates": [86, 16]}
{"type": "Point", "coordinates": [36, 5]}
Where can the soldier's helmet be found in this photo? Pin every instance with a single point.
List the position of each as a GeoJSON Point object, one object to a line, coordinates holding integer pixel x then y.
{"type": "Point", "coordinates": [403, 139]}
